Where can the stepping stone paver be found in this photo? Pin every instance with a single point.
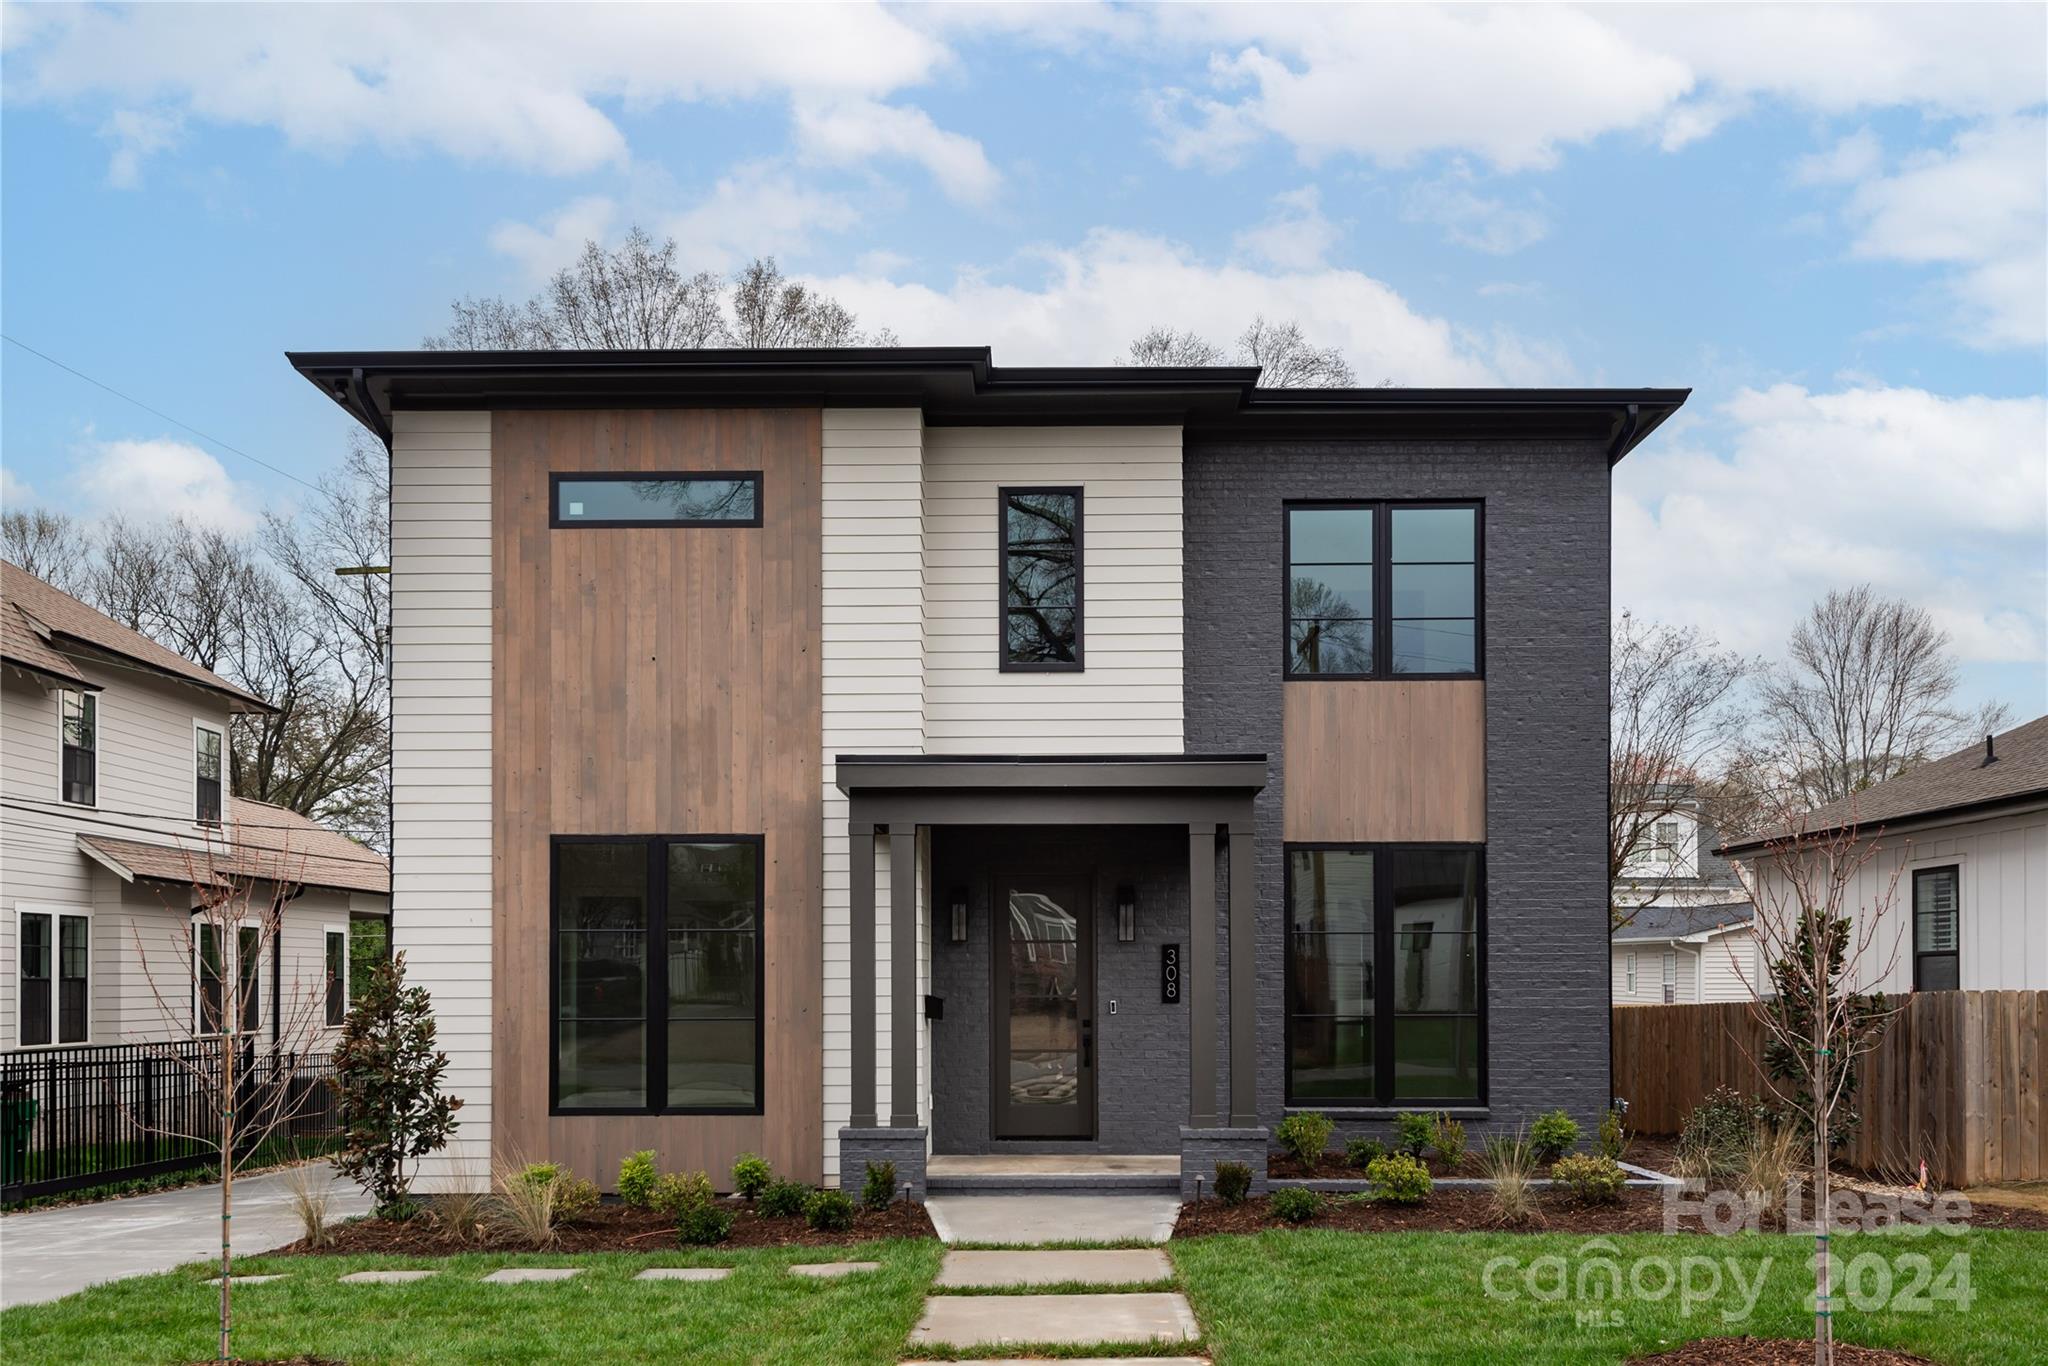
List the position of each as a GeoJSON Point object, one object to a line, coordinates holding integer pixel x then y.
{"type": "Point", "coordinates": [384, 1277]}
{"type": "Point", "coordinates": [246, 1280]}
{"type": "Point", "coordinates": [981, 1320]}
{"type": "Point", "coordinates": [1124, 1266]}
{"type": "Point", "coordinates": [684, 1273]}
{"type": "Point", "coordinates": [519, 1275]}
{"type": "Point", "coordinates": [832, 1268]}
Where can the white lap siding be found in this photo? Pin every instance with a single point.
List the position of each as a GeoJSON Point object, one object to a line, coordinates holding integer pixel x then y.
{"type": "Point", "coordinates": [441, 755]}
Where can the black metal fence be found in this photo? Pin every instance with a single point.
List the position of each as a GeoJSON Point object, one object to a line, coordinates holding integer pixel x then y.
{"type": "Point", "coordinates": [77, 1117]}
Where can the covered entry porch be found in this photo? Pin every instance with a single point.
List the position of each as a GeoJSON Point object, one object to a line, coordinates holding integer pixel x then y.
{"type": "Point", "coordinates": [1072, 1006]}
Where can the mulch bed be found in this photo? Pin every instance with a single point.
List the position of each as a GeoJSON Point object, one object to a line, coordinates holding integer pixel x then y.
{"type": "Point", "coordinates": [613, 1228]}
{"type": "Point", "coordinates": [1654, 1153]}
{"type": "Point", "coordinates": [1470, 1210]}
{"type": "Point", "coordinates": [1773, 1352]}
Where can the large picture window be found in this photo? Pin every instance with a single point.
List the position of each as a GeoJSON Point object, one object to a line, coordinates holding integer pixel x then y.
{"type": "Point", "coordinates": [1937, 929]}
{"type": "Point", "coordinates": [53, 986]}
{"type": "Point", "coordinates": [1041, 562]}
{"type": "Point", "coordinates": [1383, 590]}
{"type": "Point", "coordinates": [1384, 983]}
{"type": "Point", "coordinates": [657, 974]}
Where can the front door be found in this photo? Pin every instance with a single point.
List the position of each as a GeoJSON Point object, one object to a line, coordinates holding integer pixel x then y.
{"type": "Point", "coordinates": [1044, 1000]}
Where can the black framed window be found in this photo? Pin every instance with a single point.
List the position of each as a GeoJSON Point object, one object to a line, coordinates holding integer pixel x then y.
{"type": "Point", "coordinates": [206, 767]}
{"type": "Point", "coordinates": [1383, 590]}
{"type": "Point", "coordinates": [337, 976]}
{"type": "Point", "coordinates": [612, 498]}
{"type": "Point", "coordinates": [1041, 562]}
{"type": "Point", "coordinates": [74, 976]}
{"type": "Point", "coordinates": [249, 976]}
{"type": "Point", "coordinates": [78, 716]}
{"type": "Point", "coordinates": [209, 973]}
{"type": "Point", "coordinates": [657, 974]}
{"type": "Point", "coordinates": [33, 984]}
{"type": "Point", "coordinates": [1384, 978]}
{"type": "Point", "coordinates": [1937, 928]}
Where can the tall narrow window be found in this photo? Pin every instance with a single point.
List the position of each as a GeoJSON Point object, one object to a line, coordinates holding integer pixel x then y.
{"type": "Point", "coordinates": [249, 976]}
{"type": "Point", "coordinates": [35, 979]}
{"type": "Point", "coordinates": [1937, 929]}
{"type": "Point", "coordinates": [206, 764]}
{"type": "Point", "coordinates": [1409, 1032]}
{"type": "Point", "coordinates": [657, 975]}
{"type": "Point", "coordinates": [1041, 564]}
{"type": "Point", "coordinates": [1670, 976]}
{"type": "Point", "coordinates": [1631, 965]}
{"type": "Point", "coordinates": [632, 499]}
{"type": "Point", "coordinates": [1330, 591]}
{"type": "Point", "coordinates": [1383, 590]}
{"type": "Point", "coordinates": [337, 976]}
{"type": "Point", "coordinates": [74, 972]}
{"type": "Point", "coordinates": [209, 976]}
{"type": "Point", "coordinates": [79, 725]}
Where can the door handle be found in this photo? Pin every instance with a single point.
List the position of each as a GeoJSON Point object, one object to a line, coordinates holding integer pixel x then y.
{"type": "Point", "coordinates": [1087, 1043]}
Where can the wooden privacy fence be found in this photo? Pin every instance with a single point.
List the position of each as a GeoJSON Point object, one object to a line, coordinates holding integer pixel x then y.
{"type": "Point", "coordinates": [1960, 1079]}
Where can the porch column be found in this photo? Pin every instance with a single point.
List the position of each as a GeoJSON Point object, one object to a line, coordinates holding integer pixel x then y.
{"type": "Point", "coordinates": [1197, 974]}
{"type": "Point", "coordinates": [860, 937]}
{"type": "Point", "coordinates": [903, 977]}
{"type": "Point", "coordinates": [1244, 1094]}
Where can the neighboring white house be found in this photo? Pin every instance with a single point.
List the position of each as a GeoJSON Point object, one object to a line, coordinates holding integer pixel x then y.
{"type": "Point", "coordinates": [1682, 955]}
{"type": "Point", "coordinates": [114, 762]}
{"type": "Point", "coordinates": [1676, 862]}
{"type": "Point", "coordinates": [1958, 880]}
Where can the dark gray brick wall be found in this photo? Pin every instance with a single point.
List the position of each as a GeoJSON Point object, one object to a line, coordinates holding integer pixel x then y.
{"type": "Point", "coordinates": [1140, 1052]}
{"type": "Point", "coordinates": [1547, 588]}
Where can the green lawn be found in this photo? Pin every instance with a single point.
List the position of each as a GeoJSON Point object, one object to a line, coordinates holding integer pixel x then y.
{"type": "Point", "coordinates": [1298, 1296]}
{"type": "Point", "coordinates": [1320, 1296]}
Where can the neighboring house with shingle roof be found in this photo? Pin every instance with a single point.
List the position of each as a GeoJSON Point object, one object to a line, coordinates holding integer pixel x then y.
{"type": "Point", "coordinates": [114, 762]}
{"type": "Point", "coordinates": [1961, 850]}
{"type": "Point", "coordinates": [1685, 954]}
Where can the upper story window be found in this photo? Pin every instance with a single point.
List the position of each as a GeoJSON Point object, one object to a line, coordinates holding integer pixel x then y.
{"type": "Point", "coordinates": [207, 759]}
{"type": "Point", "coordinates": [621, 499]}
{"type": "Point", "coordinates": [78, 724]}
{"type": "Point", "coordinates": [1383, 590]}
{"type": "Point", "coordinates": [1937, 929]}
{"type": "Point", "coordinates": [1041, 559]}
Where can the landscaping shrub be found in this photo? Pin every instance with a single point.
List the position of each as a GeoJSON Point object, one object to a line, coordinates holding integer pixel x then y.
{"type": "Point", "coordinates": [1233, 1182]}
{"type": "Point", "coordinates": [1715, 1135]}
{"type": "Point", "coordinates": [1553, 1135]}
{"type": "Point", "coordinates": [1590, 1177]}
{"type": "Point", "coordinates": [637, 1175]}
{"type": "Point", "coordinates": [522, 1201]}
{"type": "Point", "coordinates": [678, 1191]}
{"type": "Point", "coordinates": [312, 1202]}
{"type": "Point", "coordinates": [751, 1175]}
{"type": "Point", "coordinates": [1297, 1206]}
{"type": "Point", "coordinates": [690, 1201]}
{"type": "Point", "coordinates": [1399, 1179]}
{"type": "Point", "coordinates": [1305, 1135]}
{"type": "Point", "coordinates": [1613, 1138]}
{"type": "Point", "coordinates": [703, 1225]}
{"type": "Point", "coordinates": [1447, 1140]}
{"type": "Point", "coordinates": [829, 1211]}
{"type": "Point", "coordinates": [1771, 1159]}
{"type": "Point", "coordinates": [878, 1188]}
{"type": "Point", "coordinates": [780, 1199]}
{"type": "Point", "coordinates": [1510, 1169]}
{"type": "Point", "coordinates": [569, 1196]}
{"type": "Point", "coordinates": [1413, 1133]}
{"type": "Point", "coordinates": [387, 1080]}
{"type": "Point", "coordinates": [1360, 1152]}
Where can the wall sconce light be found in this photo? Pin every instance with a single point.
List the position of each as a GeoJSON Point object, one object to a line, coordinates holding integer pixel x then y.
{"type": "Point", "coordinates": [1126, 914]}
{"type": "Point", "coordinates": [958, 898]}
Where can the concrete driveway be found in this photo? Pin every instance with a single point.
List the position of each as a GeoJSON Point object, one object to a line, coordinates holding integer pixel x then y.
{"type": "Point", "coordinates": [45, 1254]}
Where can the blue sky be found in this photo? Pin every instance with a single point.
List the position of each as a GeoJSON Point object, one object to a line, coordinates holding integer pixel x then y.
{"type": "Point", "coordinates": [1830, 222]}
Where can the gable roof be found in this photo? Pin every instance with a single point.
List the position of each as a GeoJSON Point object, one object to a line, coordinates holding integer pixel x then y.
{"type": "Point", "coordinates": [261, 841]}
{"type": "Point", "coordinates": [40, 625]}
{"type": "Point", "coordinates": [1968, 780]}
{"type": "Point", "coordinates": [1679, 922]}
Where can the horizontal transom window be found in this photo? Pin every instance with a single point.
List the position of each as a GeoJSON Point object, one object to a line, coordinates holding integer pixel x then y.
{"type": "Point", "coordinates": [620, 499]}
{"type": "Point", "coordinates": [1381, 590]}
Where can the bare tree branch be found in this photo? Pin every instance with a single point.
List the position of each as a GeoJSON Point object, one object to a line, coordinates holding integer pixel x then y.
{"type": "Point", "coordinates": [1285, 357]}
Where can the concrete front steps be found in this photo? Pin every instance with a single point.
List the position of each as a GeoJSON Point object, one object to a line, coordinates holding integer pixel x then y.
{"type": "Point", "coordinates": [1053, 1174]}
{"type": "Point", "coordinates": [1076, 1318]}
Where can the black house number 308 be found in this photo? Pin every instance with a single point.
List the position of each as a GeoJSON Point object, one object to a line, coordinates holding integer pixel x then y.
{"type": "Point", "coordinates": [1169, 974]}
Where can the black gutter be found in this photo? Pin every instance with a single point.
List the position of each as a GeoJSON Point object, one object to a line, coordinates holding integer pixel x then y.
{"type": "Point", "coordinates": [1624, 438]}
{"type": "Point", "coordinates": [1904, 823]}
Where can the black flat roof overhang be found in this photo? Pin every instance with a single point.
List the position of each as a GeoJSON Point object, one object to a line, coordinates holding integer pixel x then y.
{"type": "Point", "coordinates": [961, 386]}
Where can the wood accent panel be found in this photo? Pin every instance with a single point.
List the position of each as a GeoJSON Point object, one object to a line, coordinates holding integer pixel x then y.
{"type": "Point", "coordinates": [658, 681]}
{"type": "Point", "coordinates": [1373, 761]}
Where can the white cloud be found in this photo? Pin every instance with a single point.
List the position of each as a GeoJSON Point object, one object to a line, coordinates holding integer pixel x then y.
{"type": "Point", "coordinates": [13, 492]}
{"type": "Point", "coordinates": [1090, 300]}
{"type": "Point", "coordinates": [1472, 219]}
{"type": "Point", "coordinates": [136, 135]}
{"type": "Point", "coordinates": [1853, 158]}
{"type": "Point", "coordinates": [1296, 235]}
{"type": "Point", "coordinates": [848, 132]}
{"type": "Point", "coordinates": [1981, 207]}
{"type": "Point", "coordinates": [1782, 493]}
{"type": "Point", "coordinates": [164, 477]}
{"type": "Point", "coordinates": [525, 85]}
{"type": "Point", "coordinates": [541, 251]}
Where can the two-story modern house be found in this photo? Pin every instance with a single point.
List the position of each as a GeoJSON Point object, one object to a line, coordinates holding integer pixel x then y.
{"type": "Point", "coordinates": [878, 753]}
{"type": "Point", "coordinates": [114, 801]}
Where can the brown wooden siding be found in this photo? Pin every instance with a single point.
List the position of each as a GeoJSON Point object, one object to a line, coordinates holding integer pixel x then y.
{"type": "Point", "coordinates": [658, 681]}
{"type": "Point", "coordinates": [1380, 761]}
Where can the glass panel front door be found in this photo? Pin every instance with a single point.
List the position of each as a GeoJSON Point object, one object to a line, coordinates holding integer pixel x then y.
{"type": "Point", "coordinates": [1044, 1035]}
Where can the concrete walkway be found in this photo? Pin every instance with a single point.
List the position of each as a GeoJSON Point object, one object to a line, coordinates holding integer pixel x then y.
{"type": "Point", "coordinates": [1101, 1301]}
{"type": "Point", "coordinates": [45, 1254]}
{"type": "Point", "coordinates": [1028, 1219]}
